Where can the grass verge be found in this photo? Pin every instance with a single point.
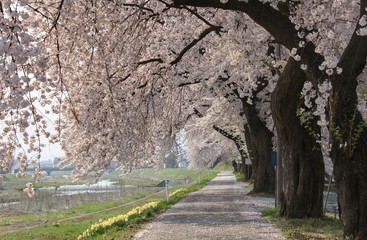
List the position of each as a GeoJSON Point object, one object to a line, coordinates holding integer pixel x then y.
{"type": "Point", "coordinates": [325, 228]}
{"type": "Point", "coordinates": [240, 177]}
{"type": "Point", "coordinates": [223, 166]}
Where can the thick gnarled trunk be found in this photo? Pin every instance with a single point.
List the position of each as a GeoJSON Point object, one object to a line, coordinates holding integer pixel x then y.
{"type": "Point", "coordinates": [302, 162]}
{"type": "Point", "coordinates": [261, 148]}
{"type": "Point", "coordinates": [349, 151]}
{"type": "Point", "coordinates": [351, 179]}
{"type": "Point", "coordinates": [349, 139]}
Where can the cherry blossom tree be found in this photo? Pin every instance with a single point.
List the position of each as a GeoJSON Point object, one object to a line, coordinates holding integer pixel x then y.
{"type": "Point", "coordinates": [102, 66]}
{"type": "Point", "coordinates": [111, 70]}
{"type": "Point", "coordinates": [301, 155]}
{"type": "Point", "coordinates": [307, 41]}
{"type": "Point", "coordinates": [25, 87]}
{"type": "Point", "coordinates": [242, 87]}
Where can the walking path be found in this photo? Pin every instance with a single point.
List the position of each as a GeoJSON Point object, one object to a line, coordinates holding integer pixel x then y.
{"type": "Point", "coordinates": [221, 210]}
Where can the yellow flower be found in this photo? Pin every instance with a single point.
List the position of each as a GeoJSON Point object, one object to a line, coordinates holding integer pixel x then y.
{"type": "Point", "coordinates": [104, 225]}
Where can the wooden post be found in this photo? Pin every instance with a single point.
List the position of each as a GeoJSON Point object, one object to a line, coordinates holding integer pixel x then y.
{"type": "Point", "coordinates": [166, 186]}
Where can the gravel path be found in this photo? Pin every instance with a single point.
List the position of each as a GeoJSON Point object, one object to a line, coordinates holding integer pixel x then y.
{"type": "Point", "coordinates": [221, 210]}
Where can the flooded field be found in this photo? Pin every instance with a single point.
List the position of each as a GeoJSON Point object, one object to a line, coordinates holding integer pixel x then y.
{"type": "Point", "coordinates": [62, 209]}
{"type": "Point", "coordinates": [64, 194]}
{"type": "Point", "coordinates": [58, 192]}
{"type": "Point", "coordinates": [98, 187]}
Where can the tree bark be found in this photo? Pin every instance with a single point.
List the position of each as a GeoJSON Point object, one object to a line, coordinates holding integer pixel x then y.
{"type": "Point", "coordinates": [349, 138]}
{"type": "Point", "coordinates": [349, 151]}
{"type": "Point", "coordinates": [250, 150]}
{"type": "Point", "coordinates": [303, 167]}
{"type": "Point", "coordinates": [261, 147]}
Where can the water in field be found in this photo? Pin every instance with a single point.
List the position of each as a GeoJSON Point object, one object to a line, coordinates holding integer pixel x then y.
{"type": "Point", "coordinates": [66, 196]}
{"type": "Point", "coordinates": [98, 187]}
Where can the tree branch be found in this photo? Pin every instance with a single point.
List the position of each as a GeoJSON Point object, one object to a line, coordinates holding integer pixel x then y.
{"type": "Point", "coordinates": [199, 16]}
{"type": "Point", "coordinates": [138, 6]}
{"type": "Point", "coordinates": [235, 138]}
{"type": "Point", "coordinates": [353, 60]}
{"type": "Point", "coordinates": [159, 60]}
{"type": "Point", "coordinates": [1, 8]}
{"type": "Point", "coordinates": [276, 23]}
{"type": "Point", "coordinates": [273, 21]}
{"type": "Point", "coordinates": [194, 42]}
{"type": "Point", "coordinates": [196, 81]}
{"type": "Point", "coordinates": [54, 23]}
{"type": "Point", "coordinates": [202, 35]}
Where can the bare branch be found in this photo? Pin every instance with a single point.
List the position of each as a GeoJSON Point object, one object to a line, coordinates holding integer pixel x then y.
{"type": "Point", "coordinates": [196, 81]}
{"type": "Point", "coordinates": [57, 16]}
{"type": "Point", "coordinates": [194, 42]}
{"type": "Point", "coordinates": [138, 6]}
{"type": "Point", "coordinates": [122, 80]}
{"type": "Point", "coordinates": [198, 16]}
{"type": "Point", "coordinates": [1, 8]}
{"type": "Point", "coordinates": [38, 11]}
{"type": "Point", "coordinates": [159, 60]}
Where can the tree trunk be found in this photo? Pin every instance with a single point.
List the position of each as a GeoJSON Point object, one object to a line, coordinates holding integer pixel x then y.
{"type": "Point", "coordinates": [235, 166]}
{"type": "Point", "coordinates": [349, 151]}
{"type": "Point", "coordinates": [243, 162]}
{"type": "Point", "coordinates": [349, 138]}
{"type": "Point", "coordinates": [351, 180]}
{"type": "Point", "coordinates": [303, 166]}
{"type": "Point", "coordinates": [248, 168]}
{"type": "Point", "coordinates": [261, 147]}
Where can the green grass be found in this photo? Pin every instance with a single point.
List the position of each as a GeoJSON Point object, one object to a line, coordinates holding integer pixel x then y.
{"type": "Point", "coordinates": [240, 177]}
{"type": "Point", "coordinates": [57, 229]}
{"type": "Point", "coordinates": [332, 188]}
{"type": "Point", "coordinates": [74, 211]}
{"type": "Point", "coordinates": [223, 166]}
{"type": "Point", "coordinates": [271, 212]}
{"type": "Point", "coordinates": [11, 182]}
{"type": "Point", "coordinates": [137, 182]}
{"type": "Point", "coordinates": [12, 178]}
{"type": "Point", "coordinates": [307, 228]}
{"type": "Point", "coordinates": [164, 173]}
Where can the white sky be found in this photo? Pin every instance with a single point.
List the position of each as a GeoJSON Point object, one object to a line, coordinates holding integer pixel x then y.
{"type": "Point", "coordinates": [51, 151]}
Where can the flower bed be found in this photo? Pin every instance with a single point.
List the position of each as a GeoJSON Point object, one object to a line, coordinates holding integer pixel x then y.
{"type": "Point", "coordinates": [120, 220]}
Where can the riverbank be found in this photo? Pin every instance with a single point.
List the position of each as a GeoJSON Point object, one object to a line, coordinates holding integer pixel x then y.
{"type": "Point", "coordinates": [70, 223]}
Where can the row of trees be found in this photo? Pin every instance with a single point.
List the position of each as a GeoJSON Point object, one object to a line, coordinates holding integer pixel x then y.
{"type": "Point", "coordinates": [335, 79]}
{"type": "Point", "coordinates": [123, 77]}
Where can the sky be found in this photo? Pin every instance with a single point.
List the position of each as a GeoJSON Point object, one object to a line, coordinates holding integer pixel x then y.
{"type": "Point", "coordinates": [51, 151]}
